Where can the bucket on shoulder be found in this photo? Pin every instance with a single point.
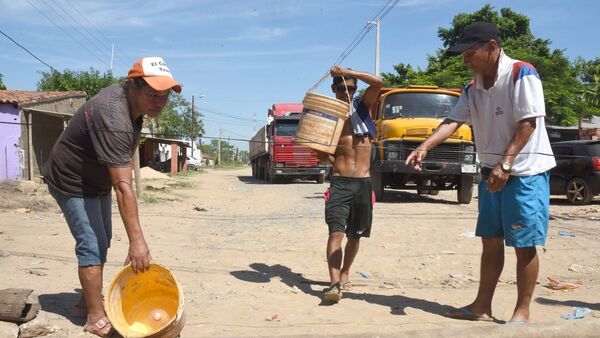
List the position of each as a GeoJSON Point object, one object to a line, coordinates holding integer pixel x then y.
{"type": "Point", "coordinates": [322, 122]}
{"type": "Point", "coordinates": [148, 304]}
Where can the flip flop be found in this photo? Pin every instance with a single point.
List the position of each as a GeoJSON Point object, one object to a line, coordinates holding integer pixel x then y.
{"type": "Point", "coordinates": [333, 293]}
{"type": "Point", "coordinates": [102, 328]}
{"type": "Point", "coordinates": [346, 285]}
{"type": "Point", "coordinates": [464, 313]}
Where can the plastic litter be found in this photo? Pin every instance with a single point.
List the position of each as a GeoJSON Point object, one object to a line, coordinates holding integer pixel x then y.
{"type": "Point", "coordinates": [564, 233]}
{"type": "Point", "coordinates": [555, 284]}
{"type": "Point", "coordinates": [578, 313]}
{"type": "Point", "coordinates": [468, 234]}
{"type": "Point", "coordinates": [362, 274]}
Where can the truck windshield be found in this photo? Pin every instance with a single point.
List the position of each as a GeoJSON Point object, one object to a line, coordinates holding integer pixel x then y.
{"type": "Point", "coordinates": [418, 105]}
{"type": "Point", "coordinates": [286, 127]}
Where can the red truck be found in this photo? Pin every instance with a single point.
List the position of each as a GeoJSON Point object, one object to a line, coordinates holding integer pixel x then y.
{"type": "Point", "coordinates": [273, 154]}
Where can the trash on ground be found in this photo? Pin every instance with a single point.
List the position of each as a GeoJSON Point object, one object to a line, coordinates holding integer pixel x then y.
{"type": "Point", "coordinates": [578, 313]}
{"type": "Point", "coordinates": [362, 274]}
{"type": "Point", "coordinates": [555, 284]}
{"type": "Point", "coordinates": [272, 317]}
{"type": "Point", "coordinates": [468, 234]}
{"type": "Point", "coordinates": [565, 233]}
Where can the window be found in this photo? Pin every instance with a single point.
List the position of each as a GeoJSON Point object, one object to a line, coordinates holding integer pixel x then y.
{"type": "Point", "coordinates": [286, 127]}
{"type": "Point", "coordinates": [429, 105]}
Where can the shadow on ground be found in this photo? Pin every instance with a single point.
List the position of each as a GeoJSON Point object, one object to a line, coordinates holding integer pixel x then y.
{"type": "Point", "coordinates": [395, 196]}
{"type": "Point", "coordinates": [263, 273]}
{"type": "Point", "coordinates": [62, 304]}
{"type": "Point", "coordinates": [569, 303]}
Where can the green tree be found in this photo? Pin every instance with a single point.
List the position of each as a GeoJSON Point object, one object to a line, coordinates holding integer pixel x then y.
{"type": "Point", "coordinates": [90, 81]}
{"type": "Point", "coordinates": [2, 86]}
{"type": "Point", "coordinates": [175, 121]}
{"type": "Point", "coordinates": [562, 87]}
{"type": "Point", "coordinates": [228, 151]}
{"type": "Point", "coordinates": [589, 74]}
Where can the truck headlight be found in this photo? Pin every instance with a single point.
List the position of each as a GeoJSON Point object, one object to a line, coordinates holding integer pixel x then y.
{"type": "Point", "coordinates": [469, 158]}
{"type": "Point", "coordinates": [392, 155]}
{"type": "Point", "coordinates": [279, 165]}
{"type": "Point", "coordinates": [392, 147]}
{"type": "Point", "coordinates": [469, 149]}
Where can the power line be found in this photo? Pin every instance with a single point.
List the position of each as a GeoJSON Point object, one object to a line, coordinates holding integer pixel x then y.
{"type": "Point", "coordinates": [79, 25]}
{"type": "Point", "coordinates": [359, 37]}
{"type": "Point", "coordinates": [74, 7]}
{"type": "Point", "coordinates": [27, 50]}
{"type": "Point", "coordinates": [64, 30]}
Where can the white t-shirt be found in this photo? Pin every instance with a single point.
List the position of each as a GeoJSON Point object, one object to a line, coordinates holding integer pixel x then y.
{"type": "Point", "coordinates": [495, 113]}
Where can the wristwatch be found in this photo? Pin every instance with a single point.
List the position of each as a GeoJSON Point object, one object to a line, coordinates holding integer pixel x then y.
{"type": "Point", "coordinates": [506, 166]}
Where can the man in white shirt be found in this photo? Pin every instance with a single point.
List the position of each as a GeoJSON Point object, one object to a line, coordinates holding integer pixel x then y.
{"type": "Point", "coordinates": [505, 105]}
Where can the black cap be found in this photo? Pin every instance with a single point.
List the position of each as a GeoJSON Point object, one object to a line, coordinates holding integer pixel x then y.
{"type": "Point", "coordinates": [473, 34]}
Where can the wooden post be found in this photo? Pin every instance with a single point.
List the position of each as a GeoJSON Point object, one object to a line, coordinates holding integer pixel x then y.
{"type": "Point", "coordinates": [139, 190]}
{"type": "Point", "coordinates": [174, 155]}
{"type": "Point", "coordinates": [28, 121]}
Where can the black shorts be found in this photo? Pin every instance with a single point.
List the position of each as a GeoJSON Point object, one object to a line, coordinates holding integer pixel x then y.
{"type": "Point", "coordinates": [350, 206]}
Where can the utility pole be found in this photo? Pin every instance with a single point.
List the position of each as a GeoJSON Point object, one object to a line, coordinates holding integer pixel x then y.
{"type": "Point", "coordinates": [377, 24]}
{"type": "Point", "coordinates": [112, 54]}
{"type": "Point", "coordinates": [193, 125]}
{"type": "Point", "coordinates": [219, 146]}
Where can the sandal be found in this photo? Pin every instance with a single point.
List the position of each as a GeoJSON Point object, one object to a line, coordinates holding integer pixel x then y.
{"type": "Point", "coordinates": [102, 328]}
{"type": "Point", "coordinates": [346, 285]}
{"type": "Point", "coordinates": [333, 293]}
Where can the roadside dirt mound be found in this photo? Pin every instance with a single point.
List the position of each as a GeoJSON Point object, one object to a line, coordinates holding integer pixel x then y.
{"type": "Point", "coordinates": [148, 173]}
{"type": "Point", "coordinates": [24, 195]}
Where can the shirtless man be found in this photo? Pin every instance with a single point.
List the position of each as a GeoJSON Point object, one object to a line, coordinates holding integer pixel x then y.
{"type": "Point", "coordinates": [349, 207]}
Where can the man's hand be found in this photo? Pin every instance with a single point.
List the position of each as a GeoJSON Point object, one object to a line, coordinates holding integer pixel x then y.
{"type": "Point", "coordinates": [138, 256]}
{"type": "Point", "coordinates": [497, 179]}
{"type": "Point", "coordinates": [338, 71]}
{"type": "Point", "coordinates": [415, 158]}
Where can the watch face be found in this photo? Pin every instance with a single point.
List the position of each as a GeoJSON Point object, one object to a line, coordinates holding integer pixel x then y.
{"type": "Point", "coordinates": [505, 166]}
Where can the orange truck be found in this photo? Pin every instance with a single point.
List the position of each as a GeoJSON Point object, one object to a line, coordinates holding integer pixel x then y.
{"type": "Point", "coordinates": [404, 118]}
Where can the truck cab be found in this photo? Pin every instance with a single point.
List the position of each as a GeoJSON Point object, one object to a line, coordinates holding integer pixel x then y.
{"type": "Point", "coordinates": [404, 118]}
{"type": "Point", "coordinates": [273, 154]}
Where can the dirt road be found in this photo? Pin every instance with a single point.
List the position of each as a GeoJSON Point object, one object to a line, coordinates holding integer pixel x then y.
{"type": "Point", "coordinates": [245, 252]}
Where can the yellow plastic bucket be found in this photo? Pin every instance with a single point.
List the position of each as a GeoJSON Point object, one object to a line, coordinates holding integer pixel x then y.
{"type": "Point", "coordinates": [148, 304]}
{"type": "Point", "coordinates": [322, 122]}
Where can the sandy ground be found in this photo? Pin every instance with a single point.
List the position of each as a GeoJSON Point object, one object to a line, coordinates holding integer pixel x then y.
{"type": "Point", "coordinates": [246, 252]}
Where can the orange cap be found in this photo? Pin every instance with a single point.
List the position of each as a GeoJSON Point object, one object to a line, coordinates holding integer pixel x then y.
{"type": "Point", "coordinates": [156, 73]}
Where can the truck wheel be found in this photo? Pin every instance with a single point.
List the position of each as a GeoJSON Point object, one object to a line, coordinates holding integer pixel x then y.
{"type": "Point", "coordinates": [268, 171]}
{"type": "Point", "coordinates": [260, 169]}
{"type": "Point", "coordinates": [464, 193]}
{"type": "Point", "coordinates": [578, 192]}
{"type": "Point", "coordinates": [377, 181]}
{"type": "Point", "coordinates": [321, 179]}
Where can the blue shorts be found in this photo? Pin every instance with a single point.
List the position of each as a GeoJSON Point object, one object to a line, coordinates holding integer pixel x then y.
{"type": "Point", "coordinates": [519, 212]}
{"type": "Point", "coordinates": [89, 219]}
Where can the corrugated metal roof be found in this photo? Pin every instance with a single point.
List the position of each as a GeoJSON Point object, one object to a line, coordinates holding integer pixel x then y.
{"type": "Point", "coordinates": [25, 97]}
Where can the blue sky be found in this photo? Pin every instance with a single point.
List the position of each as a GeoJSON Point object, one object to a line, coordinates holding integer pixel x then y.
{"type": "Point", "coordinates": [244, 55]}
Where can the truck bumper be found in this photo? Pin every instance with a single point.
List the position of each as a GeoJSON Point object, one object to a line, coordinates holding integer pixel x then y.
{"type": "Point", "coordinates": [299, 171]}
{"type": "Point", "coordinates": [428, 168]}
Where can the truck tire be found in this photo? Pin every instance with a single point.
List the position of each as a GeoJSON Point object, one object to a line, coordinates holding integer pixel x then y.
{"type": "Point", "coordinates": [268, 171]}
{"type": "Point", "coordinates": [320, 179]}
{"type": "Point", "coordinates": [464, 193]}
{"type": "Point", "coordinates": [260, 169]}
{"type": "Point", "coordinates": [377, 182]}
